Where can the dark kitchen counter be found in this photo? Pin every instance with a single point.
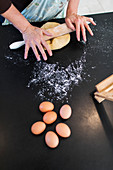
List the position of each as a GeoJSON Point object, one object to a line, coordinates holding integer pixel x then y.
{"type": "Point", "coordinates": [90, 146]}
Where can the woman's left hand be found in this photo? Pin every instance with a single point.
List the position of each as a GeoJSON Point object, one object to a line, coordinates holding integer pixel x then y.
{"type": "Point", "coordinates": [78, 22]}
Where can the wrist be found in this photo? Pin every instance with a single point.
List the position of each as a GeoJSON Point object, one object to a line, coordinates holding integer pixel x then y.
{"type": "Point", "coordinates": [71, 12]}
{"type": "Point", "coordinates": [24, 28]}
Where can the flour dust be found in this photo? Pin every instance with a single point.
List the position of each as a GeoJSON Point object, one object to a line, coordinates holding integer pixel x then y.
{"type": "Point", "coordinates": [55, 82]}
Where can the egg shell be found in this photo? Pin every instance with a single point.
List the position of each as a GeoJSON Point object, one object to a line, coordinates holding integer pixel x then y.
{"type": "Point", "coordinates": [63, 130]}
{"type": "Point", "coordinates": [51, 139]}
{"type": "Point", "coordinates": [65, 111]}
{"type": "Point", "coordinates": [50, 117]}
{"type": "Point", "coordinates": [38, 127]}
{"type": "Point", "coordinates": [46, 106]}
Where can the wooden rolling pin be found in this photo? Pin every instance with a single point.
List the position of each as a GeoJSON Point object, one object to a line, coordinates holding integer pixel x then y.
{"type": "Point", "coordinates": [104, 90]}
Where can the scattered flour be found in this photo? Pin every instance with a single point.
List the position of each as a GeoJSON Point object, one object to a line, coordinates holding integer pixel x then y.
{"type": "Point", "coordinates": [53, 81]}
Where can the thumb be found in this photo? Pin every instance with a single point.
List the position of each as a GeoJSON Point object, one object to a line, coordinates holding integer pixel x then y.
{"type": "Point", "coordinates": [46, 32]}
{"type": "Point", "coordinates": [70, 24]}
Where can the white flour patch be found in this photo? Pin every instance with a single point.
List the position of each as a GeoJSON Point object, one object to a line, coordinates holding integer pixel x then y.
{"type": "Point", "coordinates": [53, 81]}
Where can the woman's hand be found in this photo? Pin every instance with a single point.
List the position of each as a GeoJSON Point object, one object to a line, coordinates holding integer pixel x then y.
{"type": "Point", "coordinates": [33, 37]}
{"type": "Point", "coordinates": [78, 22]}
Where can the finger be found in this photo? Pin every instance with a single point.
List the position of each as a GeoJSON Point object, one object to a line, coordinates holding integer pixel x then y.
{"type": "Point", "coordinates": [42, 51]}
{"type": "Point", "coordinates": [83, 31]}
{"type": "Point", "coordinates": [78, 30]}
{"type": "Point", "coordinates": [88, 28]}
{"type": "Point", "coordinates": [35, 51]}
{"type": "Point", "coordinates": [69, 24]}
{"type": "Point", "coordinates": [26, 51]}
{"type": "Point", "coordinates": [46, 32]}
{"type": "Point", "coordinates": [90, 20]}
{"type": "Point", "coordinates": [47, 47]}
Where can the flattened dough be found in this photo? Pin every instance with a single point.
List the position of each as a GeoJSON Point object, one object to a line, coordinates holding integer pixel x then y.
{"type": "Point", "coordinates": [59, 42]}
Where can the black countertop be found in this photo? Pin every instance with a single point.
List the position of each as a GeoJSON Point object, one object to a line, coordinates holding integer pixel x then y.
{"type": "Point", "coordinates": [90, 146]}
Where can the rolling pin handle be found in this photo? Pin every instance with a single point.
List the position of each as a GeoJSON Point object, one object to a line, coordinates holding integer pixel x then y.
{"type": "Point", "coordinates": [16, 45]}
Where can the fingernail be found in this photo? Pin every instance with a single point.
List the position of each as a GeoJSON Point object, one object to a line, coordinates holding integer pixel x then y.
{"type": "Point", "coordinates": [78, 39]}
{"type": "Point", "coordinates": [73, 29]}
{"type": "Point", "coordinates": [51, 54]}
{"type": "Point", "coordinates": [45, 58]}
{"type": "Point", "coordinates": [50, 34]}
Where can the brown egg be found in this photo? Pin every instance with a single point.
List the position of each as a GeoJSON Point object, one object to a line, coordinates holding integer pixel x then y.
{"type": "Point", "coordinates": [50, 117]}
{"type": "Point", "coordinates": [38, 127]}
{"type": "Point", "coordinates": [63, 130]}
{"type": "Point", "coordinates": [51, 139]}
{"type": "Point", "coordinates": [46, 106]}
{"type": "Point", "coordinates": [65, 111]}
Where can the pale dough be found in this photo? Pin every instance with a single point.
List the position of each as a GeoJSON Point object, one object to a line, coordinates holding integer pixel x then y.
{"type": "Point", "coordinates": [59, 42]}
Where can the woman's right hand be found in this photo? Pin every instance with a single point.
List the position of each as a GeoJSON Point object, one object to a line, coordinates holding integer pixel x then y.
{"type": "Point", "coordinates": [33, 37]}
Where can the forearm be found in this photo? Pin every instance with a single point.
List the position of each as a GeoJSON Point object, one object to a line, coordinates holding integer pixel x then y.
{"type": "Point", "coordinates": [16, 18]}
{"type": "Point", "coordinates": [72, 7]}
